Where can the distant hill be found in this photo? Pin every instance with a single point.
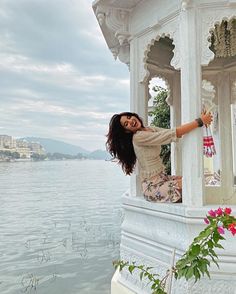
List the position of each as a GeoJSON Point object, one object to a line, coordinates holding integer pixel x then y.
{"type": "Point", "coordinates": [53, 146]}
{"type": "Point", "coordinates": [100, 154]}
{"type": "Point", "coordinates": [56, 146]}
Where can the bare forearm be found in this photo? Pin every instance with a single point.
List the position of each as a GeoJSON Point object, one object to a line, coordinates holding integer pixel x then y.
{"type": "Point", "coordinates": [186, 128]}
{"type": "Point", "coordinates": [206, 119]}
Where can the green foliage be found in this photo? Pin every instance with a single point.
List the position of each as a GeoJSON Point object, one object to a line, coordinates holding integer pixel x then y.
{"type": "Point", "coordinates": [9, 154]}
{"type": "Point", "coordinates": [38, 157]}
{"type": "Point", "coordinates": [157, 285]}
{"type": "Point", "coordinates": [160, 116]}
{"type": "Point", "coordinates": [196, 261]}
{"type": "Point", "coordinates": [16, 155]}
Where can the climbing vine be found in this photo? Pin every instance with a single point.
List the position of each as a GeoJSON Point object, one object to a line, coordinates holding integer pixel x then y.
{"type": "Point", "coordinates": [196, 261]}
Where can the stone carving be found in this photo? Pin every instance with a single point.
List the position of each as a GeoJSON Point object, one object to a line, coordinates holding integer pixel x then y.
{"type": "Point", "coordinates": [208, 94]}
{"type": "Point", "coordinates": [173, 29]}
{"type": "Point", "coordinates": [216, 286]}
{"type": "Point", "coordinates": [185, 4]}
{"type": "Point", "coordinates": [124, 54]}
{"type": "Point", "coordinates": [223, 38]}
{"type": "Point", "coordinates": [116, 20]}
{"type": "Point", "coordinates": [115, 52]}
{"type": "Point", "coordinates": [143, 49]}
{"type": "Point", "coordinates": [100, 13]}
{"type": "Point", "coordinates": [209, 20]}
{"type": "Point", "coordinates": [205, 285]}
{"type": "Point", "coordinates": [170, 30]}
{"type": "Point", "coordinates": [131, 256]}
{"type": "Point", "coordinates": [115, 23]}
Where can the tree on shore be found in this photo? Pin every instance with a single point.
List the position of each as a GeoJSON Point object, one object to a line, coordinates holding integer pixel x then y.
{"type": "Point", "coordinates": [160, 117]}
{"type": "Point", "coordinates": [9, 154]}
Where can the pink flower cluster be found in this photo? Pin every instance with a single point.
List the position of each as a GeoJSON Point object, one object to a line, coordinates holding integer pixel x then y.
{"type": "Point", "coordinates": [221, 212]}
{"type": "Point", "coordinates": [232, 228]}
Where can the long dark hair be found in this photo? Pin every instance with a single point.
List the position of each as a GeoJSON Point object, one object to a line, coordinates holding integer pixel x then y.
{"type": "Point", "coordinates": [119, 142]}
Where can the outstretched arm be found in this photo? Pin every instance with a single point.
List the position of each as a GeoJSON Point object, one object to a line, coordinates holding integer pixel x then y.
{"type": "Point", "coordinates": [186, 128]}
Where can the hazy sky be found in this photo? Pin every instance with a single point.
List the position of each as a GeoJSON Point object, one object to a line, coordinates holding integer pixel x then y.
{"type": "Point", "coordinates": [57, 77]}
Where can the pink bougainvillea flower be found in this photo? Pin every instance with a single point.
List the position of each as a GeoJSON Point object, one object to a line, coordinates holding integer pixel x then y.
{"type": "Point", "coordinates": [206, 220]}
{"type": "Point", "coordinates": [221, 230]}
{"type": "Point", "coordinates": [212, 213]}
{"type": "Point", "coordinates": [219, 211]}
{"type": "Point", "coordinates": [232, 228]}
{"type": "Point", "coordinates": [227, 210]}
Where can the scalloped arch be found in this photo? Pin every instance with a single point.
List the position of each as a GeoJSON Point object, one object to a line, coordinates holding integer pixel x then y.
{"type": "Point", "coordinates": [168, 87]}
{"type": "Point", "coordinates": [147, 46]}
{"type": "Point", "coordinates": [209, 26]}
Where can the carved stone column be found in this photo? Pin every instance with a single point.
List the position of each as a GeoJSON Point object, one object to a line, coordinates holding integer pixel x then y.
{"type": "Point", "coordinates": [226, 138]}
{"type": "Point", "coordinates": [192, 163]}
{"type": "Point", "coordinates": [176, 164]}
{"type": "Point", "coordinates": [138, 102]}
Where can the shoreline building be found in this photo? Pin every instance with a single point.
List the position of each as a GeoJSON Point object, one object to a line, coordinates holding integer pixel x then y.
{"type": "Point", "coordinates": [7, 142]}
{"type": "Point", "coordinates": [24, 148]}
{"type": "Point", "coordinates": [191, 45]}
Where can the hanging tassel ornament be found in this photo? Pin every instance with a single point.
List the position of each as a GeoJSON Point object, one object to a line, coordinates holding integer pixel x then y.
{"type": "Point", "coordinates": [208, 143]}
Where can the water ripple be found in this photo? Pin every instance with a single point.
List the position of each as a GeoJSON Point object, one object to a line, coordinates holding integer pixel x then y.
{"type": "Point", "coordinates": [59, 226]}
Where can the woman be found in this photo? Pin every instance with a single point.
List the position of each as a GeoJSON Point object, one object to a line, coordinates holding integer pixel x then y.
{"type": "Point", "coordinates": [129, 140]}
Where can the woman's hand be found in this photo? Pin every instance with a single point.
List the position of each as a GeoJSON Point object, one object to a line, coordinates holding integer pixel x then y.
{"type": "Point", "coordinates": [206, 118]}
{"type": "Point", "coordinates": [186, 128]}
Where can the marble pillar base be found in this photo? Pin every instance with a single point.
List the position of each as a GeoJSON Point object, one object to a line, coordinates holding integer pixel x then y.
{"type": "Point", "coordinates": [151, 231]}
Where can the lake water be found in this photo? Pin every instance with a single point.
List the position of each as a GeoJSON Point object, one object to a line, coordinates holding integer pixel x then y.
{"type": "Point", "coordinates": [59, 226]}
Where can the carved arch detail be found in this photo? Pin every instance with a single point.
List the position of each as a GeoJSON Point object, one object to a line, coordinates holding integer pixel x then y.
{"type": "Point", "coordinates": [168, 81]}
{"type": "Point", "coordinates": [208, 24]}
{"type": "Point", "coordinates": [208, 93]}
{"type": "Point", "coordinates": [171, 31]}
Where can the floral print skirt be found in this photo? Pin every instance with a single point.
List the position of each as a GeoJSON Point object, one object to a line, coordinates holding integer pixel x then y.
{"type": "Point", "coordinates": [162, 188]}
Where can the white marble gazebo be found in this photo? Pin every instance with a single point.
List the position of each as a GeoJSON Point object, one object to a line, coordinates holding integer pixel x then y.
{"type": "Point", "coordinates": [192, 46]}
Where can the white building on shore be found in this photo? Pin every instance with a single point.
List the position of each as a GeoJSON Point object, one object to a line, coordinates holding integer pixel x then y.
{"type": "Point", "coordinates": [7, 142]}
{"type": "Point", "coordinates": [188, 44]}
{"type": "Point", "coordinates": [23, 147]}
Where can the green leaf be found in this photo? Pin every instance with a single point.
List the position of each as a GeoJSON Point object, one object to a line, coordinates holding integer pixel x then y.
{"type": "Point", "coordinates": [159, 291]}
{"type": "Point", "coordinates": [148, 268]}
{"type": "Point", "coordinates": [153, 286]}
{"type": "Point", "coordinates": [208, 274]}
{"type": "Point", "coordinates": [131, 268]}
{"type": "Point", "coordinates": [210, 244]}
{"type": "Point", "coordinates": [189, 273]}
{"type": "Point", "coordinates": [182, 263]}
{"type": "Point", "coordinates": [141, 275]}
{"type": "Point", "coordinates": [203, 267]}
{"type": "Point", "coordinates": [219, 246]}
{"type": "Point", "coordinates": [123, 264]}
{"type": "Point", "coordinates": [150, 277]}
{"type": "Point", "coordinates": [213, 253]}
{"type": "Point", "coordinates": [203, 234]}
{"type": "Point", "coordinates": [221, 237]}
{"type": "Point", "coordinates": [216, 236]}
{"type": "Point", "coordinates": [205, 252]}
{"type": "Point", "coordinates": [197, 274]}
{"type": "Point", "coordinates": [215, 262]}
{"type": "Point", "coordinates": [195, 250]}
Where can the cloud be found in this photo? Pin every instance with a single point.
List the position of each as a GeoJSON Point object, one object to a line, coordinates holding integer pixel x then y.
{"type": "Point", "coordinates": [57, 77]}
